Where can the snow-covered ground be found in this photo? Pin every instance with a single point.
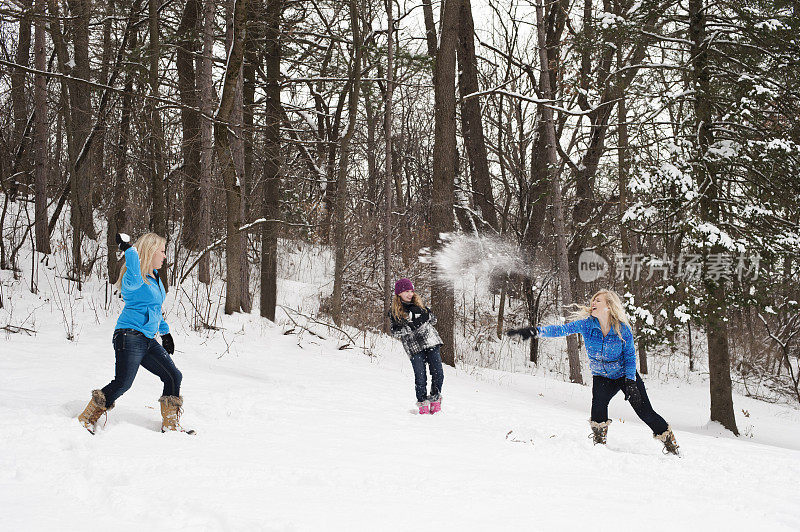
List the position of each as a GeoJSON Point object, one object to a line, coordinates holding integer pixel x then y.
{"type": "Point", "coordinates": [295, 434]}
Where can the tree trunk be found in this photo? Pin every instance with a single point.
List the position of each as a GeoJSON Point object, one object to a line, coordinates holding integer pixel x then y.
{"type": "Point", "coordinates": [444, 156]}
{"type": "Point", "coordinates": [430, 27]}
{"type": "Point", "coordinates": [238, 151]}
{"type": "Point", "coordinates": [117, 212]}
{"type": "Point", "coordinates": [206, 86]}
{"type": "Point", "coordinates": [233, 194]}
{"type": "Point", "coordinates": [101, 176]}
{"type": "Point", "coordinates": [558, 207]}
{"type": "Point", "coordinates": [81, 123]}
{"type": "Point", "coordinates": [387, 185]}
{"type": "Point", "coordinates": [340, 212]}
{"type": "Point", "coordinates": [719, 366]}
{"type": "Point", "coordinates": [272, 161]}
{"type": "Point", "coordinates": [471, 121]}
{"type": "Point", "coordinates": [65, 104]}
{"type": "Point", "coordinates": [158, 217]}
{"type": "Point", "coordinates": [41, 128]}
{"type": "Point", "coordinates": [19, 100]}
{"type": "Point", "coordinates": [626, 237]}
{"type": "Point", "coordinates": [190, 125]}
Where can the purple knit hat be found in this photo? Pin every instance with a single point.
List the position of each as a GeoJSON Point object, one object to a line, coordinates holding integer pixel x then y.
{"type": "Point", "coordinates": [402, 285]}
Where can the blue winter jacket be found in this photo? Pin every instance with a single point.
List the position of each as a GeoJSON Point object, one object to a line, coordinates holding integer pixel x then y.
{"type": "Point", "coordinates": [143, 300]}
{"type": "Point", "coordinates": [609, 356]}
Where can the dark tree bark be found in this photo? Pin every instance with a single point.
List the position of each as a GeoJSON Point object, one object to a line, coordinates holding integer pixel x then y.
{"type": "Point", "coordinates": [444, 156]}
{"type": "Point", "coordinates": [430, 27]}
{"type": "Point", "coordinates": [387, 185]}
{"type": "Point", "coordinates": [273, 160]}
{"type": "Point", "coordinates": [19, 103]}
{"type": "Point", "coordinates": [237, 142]}
{"type": "Point", "coordinates": [206, 87]}
{"type": "Point", "coordinates": [41, 128]}
{"type": "Point", "coordinates": [102, 181]}
{"type": "Point", "coordinates": [471, 121]}
{"type": "Point", "coordinates": [235, 249]}
{"type": "Point", "coordinates": [117, 212]}
{"type": "Point", "coordinates": [190, 125]}
{"type": "Point", "coordinates": [708, 182]}
{"type": "Point", "coordinates": [80, 126]}
{"type": "Point", "coordinates": [158, 216]}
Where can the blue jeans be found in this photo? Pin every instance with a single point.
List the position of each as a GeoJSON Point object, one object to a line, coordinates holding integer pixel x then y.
{"type": "Point", "coordinates": [603, 389]}
{"type": "Point", "coordinates": [433, 358]}
{"type": "Point", "coordinates": [133, 349]}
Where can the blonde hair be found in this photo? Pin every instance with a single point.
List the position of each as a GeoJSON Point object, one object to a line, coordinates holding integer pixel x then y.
{"type": "Point", "coordinates": [616, 311]}
{"type": "Point", "coordinates": [398, 311]}
{"type": "Point", "coordinates": [146, 246]}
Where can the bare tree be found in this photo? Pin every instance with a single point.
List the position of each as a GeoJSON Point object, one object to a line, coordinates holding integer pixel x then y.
{"type": "Point", "coordinates": [117, 211]}
{"type": "Point", "coordinates": [237, 143]}
{"type": "Point", "coordinates": [273, 160]}
{"type": "Point", "coordinates": [41, 129]}
{"type": "Point", "coordinates": [206, 86]}
{"type": "Point", "coordinates": [79, 128]}
{"type": "Point", "coordinates": [190, 124]}
{"type": "Point", "coordinates": [235, 249]}
{"type": "Point", "coordinates": [18, 100]}
{"type": "Point", "coordinates": [387, 184]}
{"type": "Point", "coordinates": [444, 156]}
{"type": "Point", "coordinates": [158, 215]}
{"type": "Point", "coordinates": [471, 121]}
{"type": "Point", "coordinates": [560, 226]}
{"type": "Point", "coordinates": [340, 210]}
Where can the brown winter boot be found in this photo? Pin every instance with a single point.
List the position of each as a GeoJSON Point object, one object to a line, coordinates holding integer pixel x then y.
{"type": "Point", "coordinates": [599, 431]}
{"type": "Point", "coordinates": [668, 439]}
{"type": "Point", "coordinates": [171, 410]}
{"type": "Point", "coordinates": [93, 411]}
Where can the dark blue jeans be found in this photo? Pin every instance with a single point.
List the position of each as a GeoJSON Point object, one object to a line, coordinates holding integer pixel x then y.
{"type": "Point", "coordinates": [133, 349]}
{"type": "Point", "coordinates": [433, 358]}
{"type": "Point", "coordinates": [603, 389]}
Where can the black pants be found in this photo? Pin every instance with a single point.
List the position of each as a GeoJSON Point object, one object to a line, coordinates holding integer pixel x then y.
{"type": "Point", "coordinates": [603, 389]}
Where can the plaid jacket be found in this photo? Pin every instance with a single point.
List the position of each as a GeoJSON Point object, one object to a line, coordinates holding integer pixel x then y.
{"type": "Point", "coordinates": [416, 340]}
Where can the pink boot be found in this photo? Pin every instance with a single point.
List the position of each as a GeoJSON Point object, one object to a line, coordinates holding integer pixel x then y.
{"type": "Point", "coordinates": [424, 407]}
{"type": "Point", "coordinates": [436, 406]}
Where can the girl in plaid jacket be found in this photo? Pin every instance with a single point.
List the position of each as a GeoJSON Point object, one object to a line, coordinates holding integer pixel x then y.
{"type": "Point", "coordinates": [413, 324]}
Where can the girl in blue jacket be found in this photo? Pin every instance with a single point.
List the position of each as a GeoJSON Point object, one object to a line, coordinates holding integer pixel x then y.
{"type": "Point", "coordinates": [612, 359]}
{"type": "Point", "coordinates": [134, 337]}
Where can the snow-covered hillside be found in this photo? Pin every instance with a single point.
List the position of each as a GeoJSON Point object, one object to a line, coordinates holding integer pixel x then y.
{"type": "Point", "coordinates": [295, 434]}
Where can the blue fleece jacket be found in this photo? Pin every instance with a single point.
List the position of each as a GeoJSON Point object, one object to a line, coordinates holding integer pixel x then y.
{"type": "Point", "coordinates": [609, 356]}
{"type": "Point", "coordinates": [143, 299]}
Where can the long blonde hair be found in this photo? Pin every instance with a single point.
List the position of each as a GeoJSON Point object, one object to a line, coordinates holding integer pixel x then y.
{"type": "Point", "coordinates": [398, 311]}
{"type": "Point", "coordinates": [147, 245]}
{"type": "Point", "coordinates": [616, 311]}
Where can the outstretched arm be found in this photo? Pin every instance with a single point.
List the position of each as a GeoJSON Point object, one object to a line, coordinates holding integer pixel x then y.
{"type": "Point", "coordinates": [556, 331]}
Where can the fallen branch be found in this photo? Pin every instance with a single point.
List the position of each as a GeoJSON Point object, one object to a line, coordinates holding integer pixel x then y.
{"type": "Point", "coordinates": [17, 329]}
{"type": "Point", "coordinates": [352, 341]}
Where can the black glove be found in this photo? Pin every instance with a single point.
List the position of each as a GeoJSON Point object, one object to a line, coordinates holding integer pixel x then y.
{"type": "Point", "coordinates": [123, 241]}
{"type": "Point", "coordinates": [523, 332]}
{"type": "Point", "coordinates": [418, 316]}
{"type": "Point", "coordinates": [167, 343]}
{"type": "Point", "coordinates": [631, 391]}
